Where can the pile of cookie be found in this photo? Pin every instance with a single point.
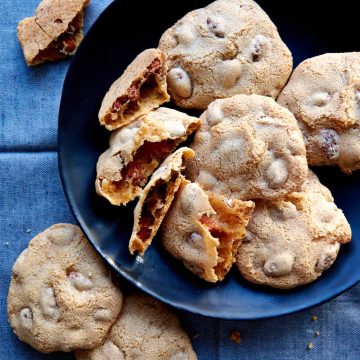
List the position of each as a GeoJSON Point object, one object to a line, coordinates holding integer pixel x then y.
{"type": "Point", "coordinates": [242, 192]}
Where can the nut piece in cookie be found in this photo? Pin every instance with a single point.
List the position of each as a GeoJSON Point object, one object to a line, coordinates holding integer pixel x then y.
{"type": "Point", "coordinates": [324, 95]}
{"type": "Point", "coordinates": [146, 329]}
{"type": "Point", "coordinates": [54, 32]}
{"type": "Point", "coordinates": [291, 241]}
{"type": "Point", "coordinates": [229, 47]}
{"type": "Point", "coordinates": [137, 149]}
{"type": "Point", "coordinates": [156, 199]}
{"type": "Point", "coordinates": [248, 147]}
{"type": "Point", "coordinates": [205, 230]}
{"type": "Point", "coordinates": [140, 89]}
{"type": "Point", "coordinates": [61, 296]}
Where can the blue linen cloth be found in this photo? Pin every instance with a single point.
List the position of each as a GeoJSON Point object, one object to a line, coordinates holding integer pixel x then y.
{"type": "Point", "coordinates": [31, 199]}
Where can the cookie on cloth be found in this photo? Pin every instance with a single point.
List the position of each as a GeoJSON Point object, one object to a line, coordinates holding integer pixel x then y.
{"type": "Point", "coordinates": [290, 242]}
{"type": "Point", "coordinates": [205, 230]}
{"type": "Point", "coordinates": [54, 32]}
{"type": "Point", "coordinates": [248, 147]}
{"type": "Point", "coordinates": [140, 89]}
{"type": "Point", "coordinates": [61, 296]}
{"type": "Point", "coordinates": [156, 199]}
{"type": "Point", "coordinates": [229, 47]}
{"type": "Point", "coordinates": [324, 95]}
{"type": "Point", "coordinates": [145, 329]}
{"type": "Point", "coordinates": [137, 149]}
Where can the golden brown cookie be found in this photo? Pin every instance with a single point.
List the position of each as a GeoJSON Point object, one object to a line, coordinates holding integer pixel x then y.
{"type": "Point", "coordinates": [205, 230]}
{"type": "Point", "coordinates": [61, 296]}
{"type": "Point", "coordinates": [229, 47]}
{"type": "Point", "coordinates": [137, 149]}
{"type": "Point", "coordinates": [54, 32]}
{"type": "Point", "coordinates": [324, 95]}
{"type": "Point", "coordinates": [156, 199]}
{"type": "Point", "coordinates": [145, 330]}
{"type": "Point", "coordinates": [140, 89]}
{"type": "Point", "coordinates": [248, 147]}
{"type": "Point", "coordinates": [291, 241]}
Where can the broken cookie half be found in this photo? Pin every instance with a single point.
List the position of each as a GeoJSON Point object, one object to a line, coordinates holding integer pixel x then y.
{"type": "Point", "coordinates": [204, 230]}
{"type": "Point", "coordinates": [156, 199]}
{"type": "Point", "coordinates": [140, 89]}
{"type": "Point", "coordinates": [54, 32]}
{"type": "Point", "coordinates": [137, 149]}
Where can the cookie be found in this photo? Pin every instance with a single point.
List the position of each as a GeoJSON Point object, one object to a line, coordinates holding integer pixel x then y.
{"type": "Point", "coordinates": [140, 89]}
{"type": "Point", "coordinates": [229, 47]}
{"type": "Point", "coordinates": [145, 329]}
{"type": "Point", "coordinates": [156, 199]}
{"type": "Point", "coordinates": [54, 32]}
{"type": "Point", "coordinates": [204, 230]}
{"type": "Point", "coordinates": [324, 95]}
{"type": "Point", "coordinates": [137, 149]}
{"type": "Point", "coordinates": [290, 242]}
{"type": "Point", "coordinates": [248, 147]}
{"type": "Point", "coordinates": [61, 296]}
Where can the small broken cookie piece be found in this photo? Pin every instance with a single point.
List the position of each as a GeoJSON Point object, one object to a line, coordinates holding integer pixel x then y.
{"type": "Point", "coordinates": [291, 241]}
{"type": "Point", "coordinates": [54, 32]}
{"type": "Point", "coordinates": [140, 89]}
{"type": "Point", "coordinates": [137, 149]}
{"type": "Point", "coordinates": [145, 330]}
{"type": "Point", "coordinates": [61, 295]}
{"type": "Point", "coordinates": [204, 230]}
{"type": "Point", "coordinates": [156, 200]}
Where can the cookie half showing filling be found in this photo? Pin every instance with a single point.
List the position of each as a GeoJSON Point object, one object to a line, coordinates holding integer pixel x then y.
{"type": "Point", "coordinates": [156, 200]}
{"type": "Point", "coordinates": [291, 241]}
{"type": "Point", "coordinates": [137, 149]}
{"type": "Point", "coordinates": [205, 230]}
{"type": "Point", "coordinates": [55, 31]}
{"type": "Point", "coordinates": [140, 89]}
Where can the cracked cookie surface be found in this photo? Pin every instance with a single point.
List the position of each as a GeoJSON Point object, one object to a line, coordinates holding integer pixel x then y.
{"type": "Point", "coordinates": [229, 47]}
{"type": "Point", "coordinates": [61, 296]}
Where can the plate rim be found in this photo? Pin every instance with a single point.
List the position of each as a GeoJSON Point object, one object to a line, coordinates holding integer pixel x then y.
{"type": "Point", "coordinates": [73, 208]}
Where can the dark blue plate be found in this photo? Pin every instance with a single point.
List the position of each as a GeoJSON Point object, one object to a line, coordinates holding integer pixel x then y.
{"type": "Point", "coordinates": [120, 33]}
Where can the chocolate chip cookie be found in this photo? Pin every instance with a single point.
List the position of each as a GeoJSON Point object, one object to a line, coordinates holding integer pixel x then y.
{"type": "Point", "coordinates": [204, 230]}
{"type": "Point", "coordinates": [61, 296]}
{"type": "Point", "coordinates": [229, 47]}
{"type": "Point", "coordinates": [324, 95]}
{"type": "Point", "coordinates": [145, 329]}
{"type": "Point", "coordinates": [291, 241]}
{"type": "Point", "coordinates": [54, 32]}
{"type": "Point", "coordinates": [156, 199]}
{"type": "Point", "coordinates": [140, 89]}
{"type": "Point", "coordinates": [248, 147]}
{"type": "Point", "coordinates": [137, 149]}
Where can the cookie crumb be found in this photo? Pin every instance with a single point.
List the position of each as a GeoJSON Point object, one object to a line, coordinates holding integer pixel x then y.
{"type": "Point", "coordinates": [317, 333]}
{"type": "Point", "coordinates": [314, 318]}
{"type": "Point", "coordinates": [195, 336]}
{"type": "Point", "coordinates": [310, 345]}
{"type": "Point", "coordinates": [28, 231]}
{"type": "Point", "coordinates": [235, 336]}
